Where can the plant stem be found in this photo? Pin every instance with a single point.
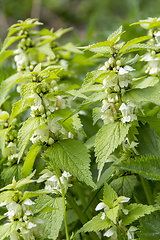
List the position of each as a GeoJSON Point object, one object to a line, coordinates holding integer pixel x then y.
{"type": "Point", "coordinates": [80, 214]}
{"type": "Point", "coordinates": [64, 205]}
{"type": "Point", "coordinates": [147, 190]}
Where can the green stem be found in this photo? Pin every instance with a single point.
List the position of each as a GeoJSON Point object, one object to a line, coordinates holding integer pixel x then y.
{"type": "Point", "coordinates": [64, 205]}
{"type": "Point", "coordinates": [80, 214]}
{"type": "Point", "coordinates": [147, 190]}
{"type": "Point", "coordinates": [82, 198]}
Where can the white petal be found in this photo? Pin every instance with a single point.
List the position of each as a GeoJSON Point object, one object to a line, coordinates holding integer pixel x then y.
{"type": "Point", "coordinates": [129, 68]}
{"type": "Point", "coordinates": [100, 206]}
{"type": "Point", "coordinates": [125, 199]}
{"type": "Point", "coordinates": [122, 71]}
{"type": "Point", "coordinates": [109, 232]}
{"type": "Point", "coordinates": [28, 202]}
{"type": "Point", "coordinates": [31, 225]}
{"type": "Point", "coordinates": [103, 216]}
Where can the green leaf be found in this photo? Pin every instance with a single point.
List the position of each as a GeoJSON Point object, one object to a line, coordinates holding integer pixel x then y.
{"type": "Point", "coordinates": [112, 214]}
{"type": "Point", "coordinates": [31, 156]}
{"type": "Point", "coordinates": [5, 55]}
{"type": "Point", "coordinates": [124, 186]}
{"type": "Point", "coordinates": [109, 195]}
{"type": "Point", "coordinates": [145, 82]}
{"type": "Point", "coordinates": [108, 138]}
{"type": "Point", "coordinates": [150, 94]}
{"type": "Point", "coordinates": [107, 173]}
{"type": "Point", "coordinates": [139, 47]}
{"type": "Point", "coordinates": [8, 41]}
{"type": "Point", "coordinates": [136, 211]}
{"type": "Point", "coordinates": [25, 133]}
{"type": "Point", "coordinates": [53, 218]}
{"type": "Point", "coordinates": [94, 76]}
{"type": "Point", "coordinates": [6, 195]}
{"type": "Point", "coordinates": [33, 194]}
{"type": "Point", "coordinates": [9, 172]}
{"type": "Point", "coordinates": [113, 38]}
{"type": "Point", "coordinates": [95, 224]}
{"type": "Point", "coordinates": [72, 156]}
{"type": "Point", "coordinates": [148, 140]}
{"type": "Point", "coordinates": [46, 49]}
{"type": "Point", "coordinates": [8, 228]}
{"type": "Point", "coordinates": [70, 47]}
{"type": "Point", "coordinates": [149, 228]}
{"type": "Point", "coordinates": [148, 167]}
{"type": "Point", "coordinates": [96, 114]}
{"type": "Point", "coordinates": [17, 108]}
{"type": "Point", "coordinates": [8, 84]}
{"type": "Point", "coordinates": [154, 123]}
{"type": "Point", "coordinates": [3, 133]}
{"type": "Point", "coordinates": [134, 41]}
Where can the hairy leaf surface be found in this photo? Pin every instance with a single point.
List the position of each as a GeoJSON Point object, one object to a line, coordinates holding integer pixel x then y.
{"type": "Point", "coordinates": [72, 156]}
{"type": "Point", "coordinates": [108, 138]}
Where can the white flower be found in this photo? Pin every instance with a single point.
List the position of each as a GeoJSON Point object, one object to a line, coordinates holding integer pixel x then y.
{"type": "Point", "coordinates": [111, 80]}
{"type": "Point", "coordinates": [111, 232]}
{"type": "Point", "coordinates": [130, 232]}
{"type": "Point", "coordinates": [127, 111]}
{"type": "Point", "coordinates": [27, 207]}
{"type": "Point", "coordinates": [52, 184]}
{"type": "Point", "coordinates": [101, 206]}
{"type": "Point", "coordinates": [124, 77]}
{"type": "Point", "coordinates": [124, 199]}
{"type": "Point", "coordinates": [14, 210]}
{"type": "Point", "coordinates": [14, 236]}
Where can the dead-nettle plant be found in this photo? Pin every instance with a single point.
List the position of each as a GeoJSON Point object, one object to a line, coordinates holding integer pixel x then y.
{"type": "Point", "coordinates": [70, 150]}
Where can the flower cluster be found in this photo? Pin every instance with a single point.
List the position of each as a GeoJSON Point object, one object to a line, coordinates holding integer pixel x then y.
{"type": "Point", "coordinates": [112, 232]}
{"type": "Point", "coordinates": [119, 79]}
{"type": "Point", "coordinates": [22, 211]}
{"type": "Point", "coordinates": [152, 57]}
{"type": "Point", "coordinates": [52, 182]}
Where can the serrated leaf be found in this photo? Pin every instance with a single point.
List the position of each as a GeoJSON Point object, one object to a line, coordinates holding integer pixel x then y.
{"type": "Point", "coordinates": [115, 35]}
{"type": "Point", "coordinates": [8, 84]}
{"type": "Point", "coordinates": [25, 133]}
{"type": "Point", "coordinates": [96, 114]}
{"type": "Point", "coordinates": [109, 195]}
{"type": "Point", "coordinates": [94, 76]}
{"type": "Point", "coordinates": [148, 140]}
{"type": "Point", "coordinates": [112, 214]}
{"type": "Point", "coordinates": [72, 156]}
{"type": "Point", "coordinates": [98, 96]}
{"type": "Point", "coordinates": [8, 228]}
{"type": "Point", "coordinates": [153, 138]}
{"type": "Point", "coordinates": [124, 186]}
{"type": "Point", "coordinates": [134, 41]}
{"type": "Point", "coordinates": [10, 172]}
{"type": "Point", "coordinates": [148, 167]}
{"type": "Point", "coordinates": [29, 162]}
{"type": "Point", "coordinates": [145, 82]}
{"type": "Point", "coordinates": [46, 49]}
{"type": "Point", "coordinates": [108, 138]}
{"type": "Point", "coordinates": [136, 211]}
{"type": "Point", "coordinates": [33, 194]}
{"type": "Point", "coordinates": [95, 224]}
{"type": "Point", "coordinates": [149, 94]}
{"type": "Point", "coordinates": [3, 133]}
{"type": "Point", "coordinates": [53, 218]}
{"type": "Point", "coordinates": [17, 108]}
{"type": "Point", "coordinates": [5, 195]}
{"type": "Point", "coordinates": [149, 228]}
{"type": "Point", "coordinates": [140, 46]}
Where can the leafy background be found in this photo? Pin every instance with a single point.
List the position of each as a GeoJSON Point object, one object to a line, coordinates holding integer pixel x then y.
{"type": "Point", "coordinates": [93, 20]}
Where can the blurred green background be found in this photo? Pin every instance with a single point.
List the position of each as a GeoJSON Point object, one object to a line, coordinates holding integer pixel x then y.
{"type": "Point", "coordinates": [92, 20]}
